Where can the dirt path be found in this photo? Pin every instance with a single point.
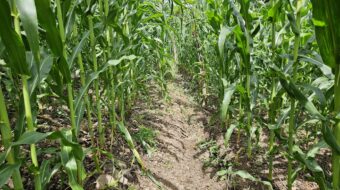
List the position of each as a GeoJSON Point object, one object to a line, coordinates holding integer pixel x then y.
{"type": "Point", "coordinates": [177, 163]}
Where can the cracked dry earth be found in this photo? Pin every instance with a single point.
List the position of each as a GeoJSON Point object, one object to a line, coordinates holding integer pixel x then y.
{"type": "Point", "coordinates": [177, 163]}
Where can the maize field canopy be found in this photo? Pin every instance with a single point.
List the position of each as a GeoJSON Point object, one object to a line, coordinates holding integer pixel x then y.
{"type": "Point", "coordinates": [170, 94]}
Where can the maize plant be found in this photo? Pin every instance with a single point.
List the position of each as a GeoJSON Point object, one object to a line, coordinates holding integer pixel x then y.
{"type": "Point", "coordinates": [266, 72]}
{"type": "Point", "coordinates": [256, 61]}
{"type": "Point", "coordinates": [325, 16]}
{"type": "Point", "coordinates": [56, 52]}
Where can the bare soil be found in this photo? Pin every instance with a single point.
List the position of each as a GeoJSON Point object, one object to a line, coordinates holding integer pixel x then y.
{"type": "Point", "coordinates": [177, 163]}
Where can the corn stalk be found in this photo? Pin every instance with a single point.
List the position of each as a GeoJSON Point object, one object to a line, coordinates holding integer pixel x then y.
{"type": "Point", "coordinates": [7, 139]}
{"type": "Point", "coordinates": [326, 15]}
